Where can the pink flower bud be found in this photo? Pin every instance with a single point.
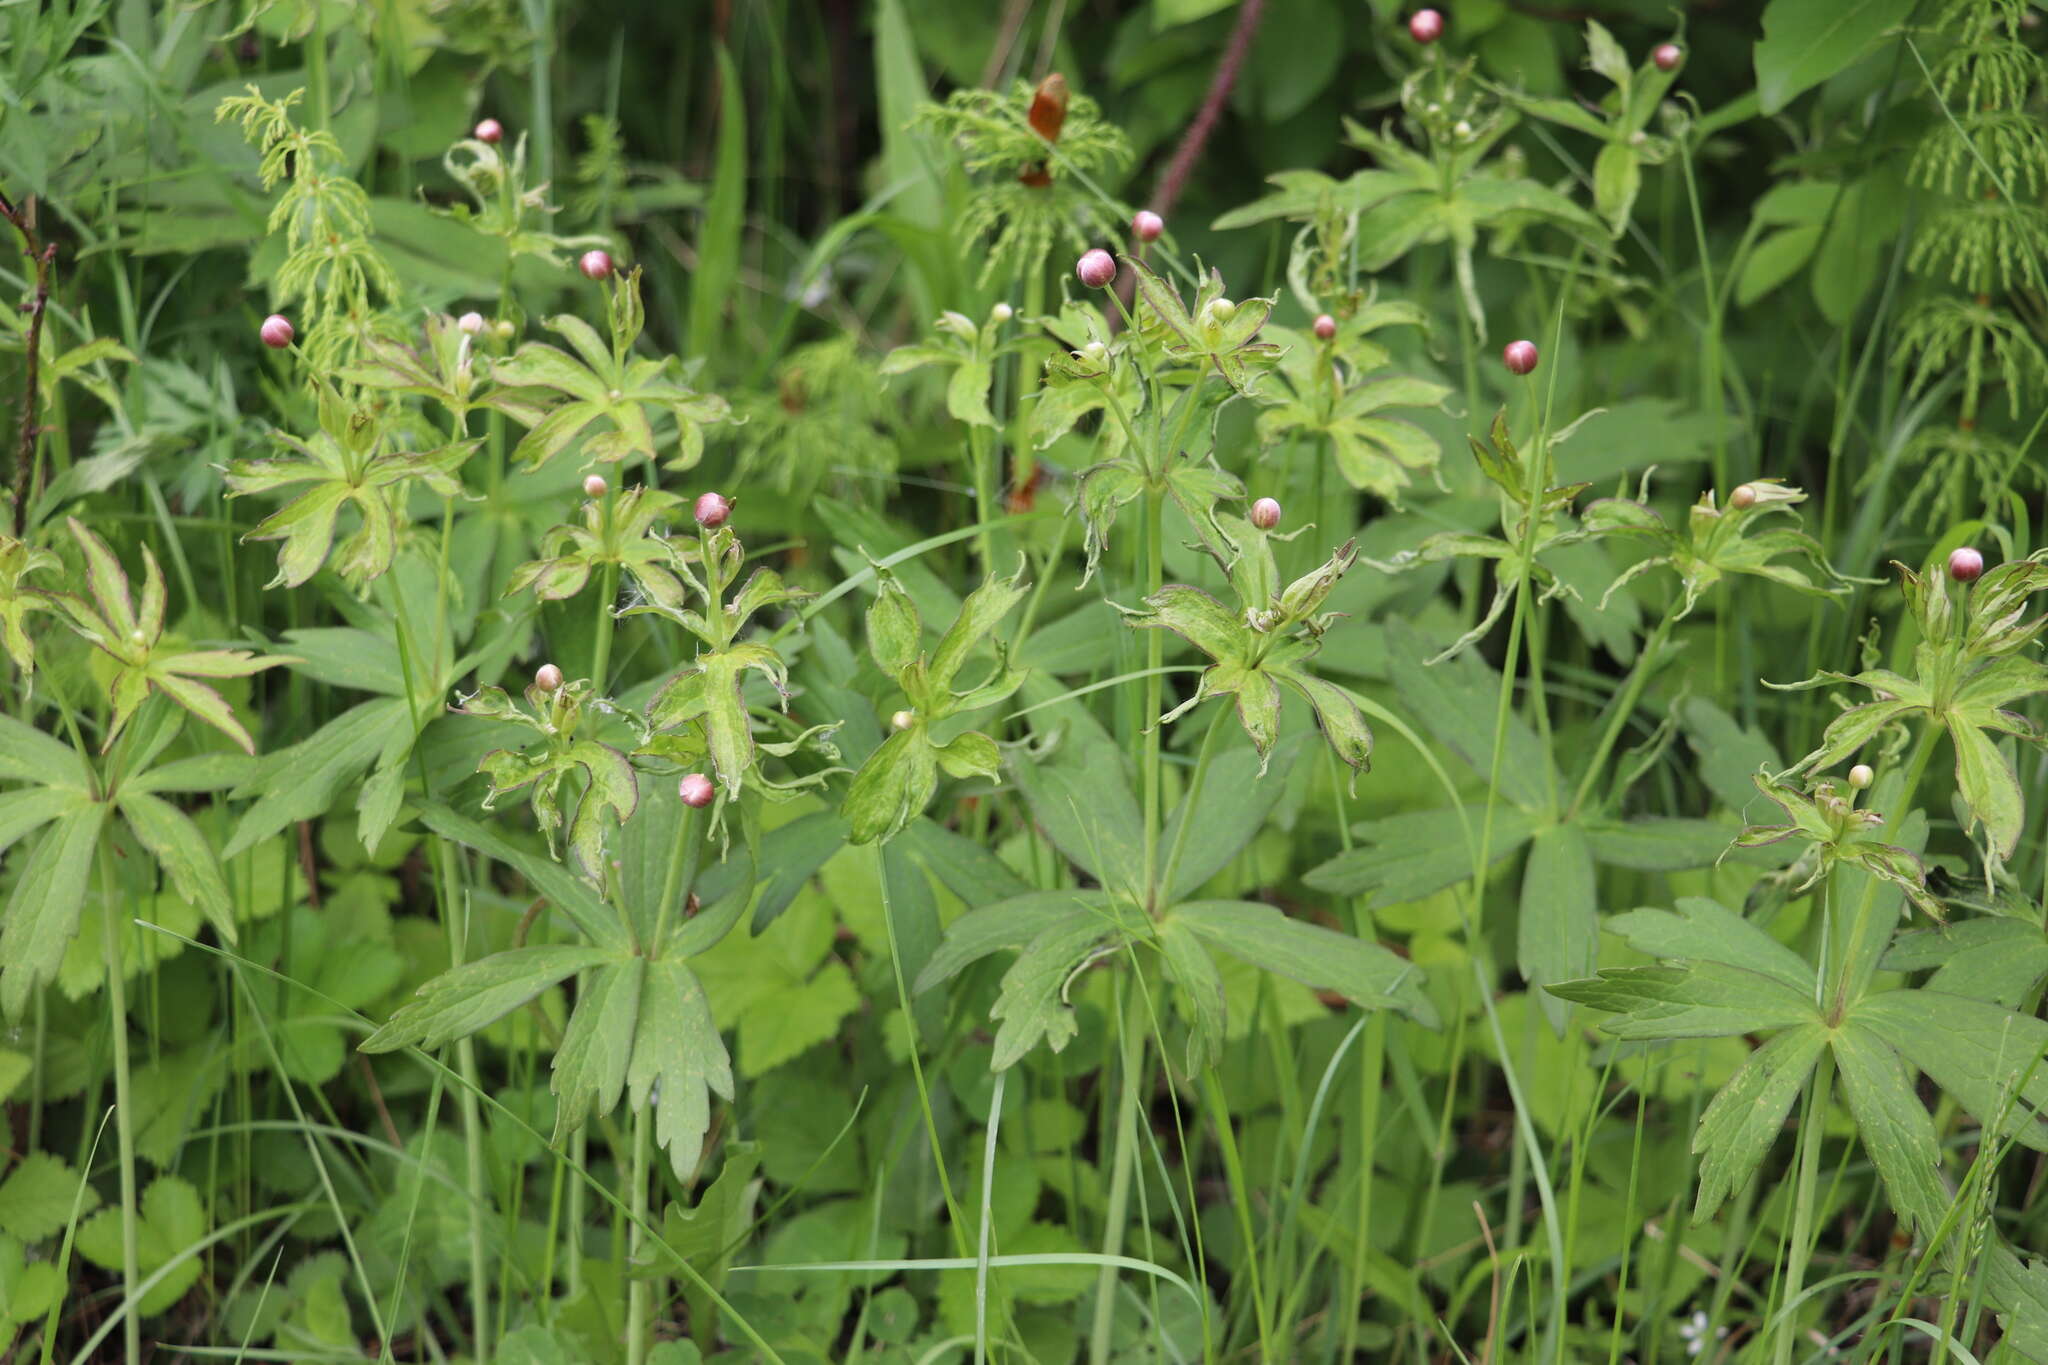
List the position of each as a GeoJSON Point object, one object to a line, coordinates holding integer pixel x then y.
{"type": "Point", "coordinates": [594, 486]}
{"type": "Point", "coordinates": [276, 331]}
{"type": "Point", "coordinates": [696, 791]}
{"type": "Point", "coordinates": [1096, 268]}
{"type": "Point", "coordinates": [1861, 776]}
{"type": "Point", "coordinates": [596, 264]}
{"type": "Point", "coordinates": [1519, 356]}
{"type": "Point", "coordinates": [547, 678]}
{"type": "Point", "coordinates": [490, 130]}
{"type": "Point", "coordinates": [1668, 56]}
{"type": "Point", "coordinates": [712, 510]}
{"type": "Point", "coordinates": [1266, 514]}
{"type": "Point", "coordinates": [470, 324]}
{"type": "Point", "coordinates": [1325, 326]}
{"type": "Point", "coordinates": [1965, 565]}
{"type": "Point", "coordinates": [1147, 225]}
{"type": "Point", "coordinates": [1743, 497]}
{"type": "Point", "coordinates": [1425, 26]}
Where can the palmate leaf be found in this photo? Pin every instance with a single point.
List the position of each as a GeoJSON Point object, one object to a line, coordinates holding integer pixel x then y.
{"type": "Point", "coordinates": [1366, 974]}
{"type": "Point", "coordinates": [42, 913]}
{"type": "Point", "coordinates": [679, 1061]}
{"type": "Point", "coordinates": [1745, 1118]}
{"type": "Point", "coordinates": [477, 994]}
{"type": "Point", "coordinates": [1705, 1000]}
{"type": "Point", "coordinates": [1985, 1056]}
{"type": "Point", "coordinates": [1032, 1006]}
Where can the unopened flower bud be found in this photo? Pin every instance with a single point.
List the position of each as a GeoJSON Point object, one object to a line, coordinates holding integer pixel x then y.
{"type": "Point", "coordinates": [1425, 26]}
{"type": "Point", "coordinates": [490, 130]}
{"type": "Point", "coordinates": [547, 678]}
{"type": "Point", "coordinates": [1668, 56]}
{"type": "Point", "coordinates": [1095, 353]}
{"type": "Point", "coordinates": [470, 324]}
{"type": "Point", "coordinates": [1519, 356]}
{"type": "Point", "coordinates": [1096, 268]}
{"type": "Point", "coordinates": [503, 329]}
{"type": "Point", "coordinates": [711, 511]}
{"type": "Point", "coordinates": [596, 265]}
{"type": "Point", "coordinates": [696, 791]}
{"type": "Point", "coordinates": [903, 720]}
{"type": "Point", "coordinates": [276, 331]}
{"type": "Point", "coordinates": [1965, 564]}
{"type": "Point", "coordinates": [1743, 498]}
{"type": "Point", "coordinates": [1147, 225]}
{"type": "Point", "coordinates": [1266, 514]}
{"type": "Point", "coordinates": [1325, 327]}
{"type": "Point", "coordinates": [594, 486]}
{"type": "Point", "coordinates": [1861, 776]}
{"type": "Point", "coordinates": [1002, 312]}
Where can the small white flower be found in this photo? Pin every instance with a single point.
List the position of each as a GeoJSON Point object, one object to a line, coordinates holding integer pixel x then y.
{"type": "Point", "coordinates": [1694, 1330]}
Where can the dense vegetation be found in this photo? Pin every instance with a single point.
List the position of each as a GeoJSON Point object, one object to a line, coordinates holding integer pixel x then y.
{"type": "Point", "coordinates": [1112, 680]}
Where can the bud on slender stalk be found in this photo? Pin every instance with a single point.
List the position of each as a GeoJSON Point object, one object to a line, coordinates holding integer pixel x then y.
{"type": "Point", "coordinates": [470, 324]}
{"type": "Point", "coordinates": [594, 486]}
{"type": "Point", "coordinates": [1266, 514]}
{"type": "Point", "coordinates": [1147, 225]}
{"type": "Point", "coordinates": [903, 720]}
{"type": "Point", "coordinates": [596, 265]}
{"type": "Point", "coordinates": [1425, 26]}
{"type": "Point", "coordinates": [276, 331]}
{"type": "Point", "coordinates": [1965, 564]}
{"type": "Point", "coordinates": [711, 511]}
{"type": "Point", "coordinates": [1325, 327]}
{"type": "Point", "coordinates": [1519, 356]}
{"type": "Point", "coordinates": [696, 791]}
{"type": "Point", "coordinates": [1096, 268]}
{"type": "Point", "coordinates": [547, 678]}
{"type": "Point", "coordinates": [1668, 56]}
{"type": "Point", "coordinates": [1861, 776]}
{"type": "Point", "coordinates": [1743, 498]}
{"type": "Point", "coordinates": [1002, 312]}
{"type": "Point", "coordinates": [490, 130]}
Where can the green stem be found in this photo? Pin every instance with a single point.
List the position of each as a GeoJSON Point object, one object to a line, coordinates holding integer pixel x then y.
{"type": "Point", "coordinates": [1812, 1124]}
{"type": "Point", "coordinates": [982, 452]}
{"type": "Point", "coordinates": [1155, 657]}
{"type": "Point", "coordinates": [1130, 1040]}
{"type": "Point", "coordinates": [1191, 802]}
{"type": "Point", "coordinates": [1624, 706]}
{"type": "Point", "coordinates": [124, 1122]}
{"type": "Point", "coordinates": [1240, 1199]}
{"type": "Point", "coordinates": [601, 656]}
{"type": "Point", "coordinates": [637, 1324]}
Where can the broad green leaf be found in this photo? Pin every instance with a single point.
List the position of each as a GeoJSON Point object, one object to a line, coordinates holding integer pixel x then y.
{"type": "Point", "coordinates": [1005, 924]}
{"type": "Point", "coordinates": [597, 1047]}
{"type": "Point", "coordinates": [1456, 702]}
{"type": "Point", "coordinates": [42, 914]}
{"type": "Point", "coordinates": [1658, 843]}
{"type": "Point", "coordinates": [1032, 1006]}
{"type": "Point", "coordinates": [1978, 1052]}
{"type": "Point", "coordinates": [1990, 787]}
{"type": "Point", "coordinates": [1895, 1126]}
{"type": "Point", "coordinates": [1222, 828]}
{"type": "Point", "coordinates": [37, 1196]}
{"type": "Point", "coordinates": [301, 782]}
{"type": "Point", "coordinates": [464, 999]}
{"type": "Point", "coordinates": [966, 868]}
{"type": "Point", "coordinates": [1086, 810]}
{"type": "Point", "coordinates": [29, 755]}
{"type": "Point", "coordinates": [1804, 43]}
{"type": "Point", "coordinates": [1699, 929]}
{"type": "Point", "coordinates": [892, 788]}
{"type": "Point", "coordinates": [709, 1234]}
{"type": "Point", "coordinates": [171, 1222]}
{"type": "Point", "coordinates": [1364, 973]}
{"type": "Point", "coordinates": [1706, 1000]}
{"type": "Point", "coordinates": [1415, 854]}
{"type": "Point", "coordinates": [184, 854]}
{"type": "Point", "coordinates": [678, 1061]}
{"type": "Point", "coordinates": [1745, 1118]}
{"type": "Point", "coordinates": [1190, 967]}
{"type": "Point", "coordinates": [28, 809]}
{"type": "Point", "coordinates": [563, 890]}
{"type": "Point", "coordinates": [1560, 918]}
